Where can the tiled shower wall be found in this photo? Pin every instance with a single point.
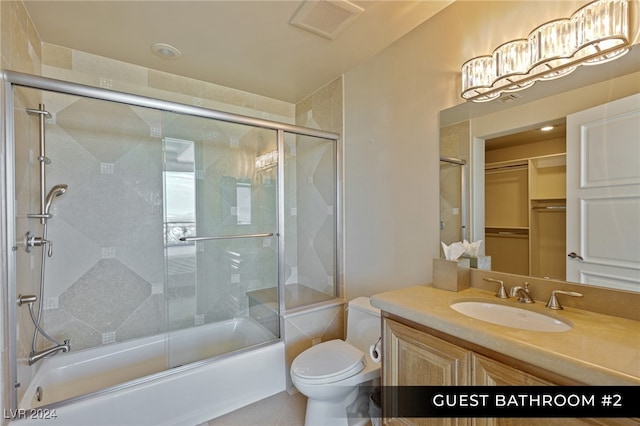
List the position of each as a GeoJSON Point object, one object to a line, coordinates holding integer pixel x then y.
{"type": "Point", "coordinates": [107, 280]}
{"type": "Point", "coordinates": [315, 191]}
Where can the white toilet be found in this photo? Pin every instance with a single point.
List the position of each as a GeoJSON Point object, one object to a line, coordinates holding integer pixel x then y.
{"type": "Point", "coordinates": [329, 373]}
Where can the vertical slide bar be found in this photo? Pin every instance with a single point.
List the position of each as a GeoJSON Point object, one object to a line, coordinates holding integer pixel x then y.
{"type": "Point", "coordinates": [42, 158]}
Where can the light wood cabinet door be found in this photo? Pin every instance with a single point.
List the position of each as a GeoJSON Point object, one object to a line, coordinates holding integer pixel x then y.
{"type": "Point", "coordinates": [488, 372]}
{"type": "Point", "coordinates": [414, 358]}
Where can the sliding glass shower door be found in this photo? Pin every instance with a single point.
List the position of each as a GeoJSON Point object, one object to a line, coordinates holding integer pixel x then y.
{"type": "Point", "coordinates": [168, 224]}
{"type": "Point", "coordinates": [174, 234]}
{"type": "Point", "coordinates": [220, 200]}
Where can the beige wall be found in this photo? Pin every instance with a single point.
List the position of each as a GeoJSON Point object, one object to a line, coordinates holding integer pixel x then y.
{"type": "Point", "coordinates": [391, 136]}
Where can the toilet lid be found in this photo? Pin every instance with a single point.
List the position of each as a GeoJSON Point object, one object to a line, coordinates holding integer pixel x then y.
{"type": "Point", "coordinates": [329, 362]}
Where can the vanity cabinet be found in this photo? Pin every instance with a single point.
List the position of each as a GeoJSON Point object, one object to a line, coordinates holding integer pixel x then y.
{"type": "Point", "coordinates": [414, 356]}
{"type": "Point", "coordinates": [419, 359]}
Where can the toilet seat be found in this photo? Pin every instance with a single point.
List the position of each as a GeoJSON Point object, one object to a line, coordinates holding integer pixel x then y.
{"type": "Point", "coordinates": [328, 362]}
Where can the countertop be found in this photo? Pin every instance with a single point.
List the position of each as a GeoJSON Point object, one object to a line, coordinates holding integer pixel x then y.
{"type": "Point", "coordinates": [598, 350]}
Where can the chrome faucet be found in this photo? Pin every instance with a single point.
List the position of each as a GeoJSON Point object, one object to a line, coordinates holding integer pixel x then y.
{"type": "Point", "coordinates": [502, 292]}
{"type": "Point", "coordinates": [522, 293]}
{"type": "Point", "coordinates": [37, 356]}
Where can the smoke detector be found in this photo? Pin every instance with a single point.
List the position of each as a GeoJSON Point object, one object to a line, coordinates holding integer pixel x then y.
{"type": "Point", "coordinates": [326, 18]}
{"type": "Point", "coordinates": [165, 51]}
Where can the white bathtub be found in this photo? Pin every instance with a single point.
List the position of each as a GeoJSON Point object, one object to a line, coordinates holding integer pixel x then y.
{"type": "Point", "coordinates": [185, 395]}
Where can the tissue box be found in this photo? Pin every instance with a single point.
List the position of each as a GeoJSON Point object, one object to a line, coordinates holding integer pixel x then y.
{"type": "Point", "coordinates": [452, 275]}
{"type": "Point", "coordinates": [480, 262]}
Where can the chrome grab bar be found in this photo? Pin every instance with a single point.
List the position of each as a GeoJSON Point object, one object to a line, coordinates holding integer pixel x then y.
{"type": "Point", "coordinates": [226, 237]}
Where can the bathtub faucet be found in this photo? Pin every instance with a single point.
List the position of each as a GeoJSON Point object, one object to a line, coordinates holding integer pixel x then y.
{"type": "Point", "coordinates": [37, 356]}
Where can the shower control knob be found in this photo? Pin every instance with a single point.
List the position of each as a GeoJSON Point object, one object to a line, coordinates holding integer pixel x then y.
{"type": "Point", "coordinates": [33, 241]}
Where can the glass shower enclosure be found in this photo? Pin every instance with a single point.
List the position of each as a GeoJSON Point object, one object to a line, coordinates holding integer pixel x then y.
{"type": "Point", "coordinates": [173, 218]}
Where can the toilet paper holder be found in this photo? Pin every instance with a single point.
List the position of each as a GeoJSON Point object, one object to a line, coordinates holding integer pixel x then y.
{"type": "Point", "coordinates": [374, 351]}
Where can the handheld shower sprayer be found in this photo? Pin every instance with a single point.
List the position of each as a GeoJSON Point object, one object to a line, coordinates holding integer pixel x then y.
{"type": "Point", "coordinates": [30, 239]}
{"type": "Point", "coordinates": [56, 191]}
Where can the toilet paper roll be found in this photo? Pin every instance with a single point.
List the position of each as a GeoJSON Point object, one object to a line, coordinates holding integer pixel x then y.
{"type": "Point", "coordinates": [374, 352]}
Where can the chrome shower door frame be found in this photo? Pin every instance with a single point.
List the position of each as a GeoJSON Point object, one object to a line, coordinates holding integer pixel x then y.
{"type": "Point", "coordinates": [8, 309]}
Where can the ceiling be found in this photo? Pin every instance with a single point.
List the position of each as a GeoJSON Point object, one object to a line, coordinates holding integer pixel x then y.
{"type": "Point", "coordinates": [558, 131]}
{"type": "Point", "coordinates": [245, 45]}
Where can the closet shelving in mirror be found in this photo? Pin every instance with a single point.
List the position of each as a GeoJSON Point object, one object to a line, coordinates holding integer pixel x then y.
{"type": "Point", "coordinates": [547, 176]}
{"type": "Point", "coordinates": [507, 216]}
{"type": "Point", "coordinates": [525, 216]}
{"type": "Point", "coordinates": [547, 217]}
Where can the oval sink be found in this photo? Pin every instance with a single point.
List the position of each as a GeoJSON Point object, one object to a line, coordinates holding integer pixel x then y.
{"type": "Point", "coordinates": [510, 316]}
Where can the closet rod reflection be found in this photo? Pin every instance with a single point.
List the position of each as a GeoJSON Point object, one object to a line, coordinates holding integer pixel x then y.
{"type": "Point", "coordinates": [550, 208]}
{"type": "Point", "coordinates": [453, 160]}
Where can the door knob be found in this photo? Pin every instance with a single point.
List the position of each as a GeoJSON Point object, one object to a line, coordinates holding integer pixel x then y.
{"type": "Point", "coordinates": [573, 255]}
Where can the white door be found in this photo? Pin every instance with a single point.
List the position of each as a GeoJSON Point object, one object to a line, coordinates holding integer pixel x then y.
{"type": "Point", "coordinates": [603, 195]}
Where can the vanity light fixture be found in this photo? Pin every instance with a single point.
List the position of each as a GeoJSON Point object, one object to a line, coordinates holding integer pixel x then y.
{"type": "Point", "coordinates": [267, 161]}
{"type": "Point", "coordinates": [596, 33]}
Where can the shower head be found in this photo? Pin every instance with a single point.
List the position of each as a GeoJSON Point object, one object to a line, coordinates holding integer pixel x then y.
{"type": "Point", "coordinates": [56, 191]}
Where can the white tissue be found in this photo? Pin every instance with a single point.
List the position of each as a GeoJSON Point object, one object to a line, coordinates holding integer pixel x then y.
{"type": "Point", "coordinates": [374, 352]}
{"type": "Point", "coordinates": [452, 252]}
{"type": "Point", "coordinates": [455, 250]}
{"type": "Point", "coordinates": [471, 249]}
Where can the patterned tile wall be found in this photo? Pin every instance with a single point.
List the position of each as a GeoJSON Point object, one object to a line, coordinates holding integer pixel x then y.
{"type": "Point", "coordinates": [106, 281]}
{"type": "Point", "coordinates": [315, 189]}
{"type": "Point", "coordinates": [108, 269]}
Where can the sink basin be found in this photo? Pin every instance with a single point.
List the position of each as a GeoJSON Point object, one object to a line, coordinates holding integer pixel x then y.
{"type": "Point", "coordinates": [510, 316]}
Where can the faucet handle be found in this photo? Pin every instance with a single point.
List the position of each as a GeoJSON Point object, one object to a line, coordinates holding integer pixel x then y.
{"type": "Point", "coordinates": [553, 302]}
{"type": "Point", "coordinates": [502, 292]}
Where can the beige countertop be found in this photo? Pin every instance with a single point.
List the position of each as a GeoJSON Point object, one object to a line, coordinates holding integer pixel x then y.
{"type": "Point", "coordinates": [598, 350]}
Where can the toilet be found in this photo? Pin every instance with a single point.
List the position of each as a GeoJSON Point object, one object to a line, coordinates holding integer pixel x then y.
{"type": "Point", "coordinates": [329, 373]}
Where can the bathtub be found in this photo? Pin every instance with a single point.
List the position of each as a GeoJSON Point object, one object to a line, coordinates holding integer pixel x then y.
{"type": "Point", "coordinates": [191, 393]}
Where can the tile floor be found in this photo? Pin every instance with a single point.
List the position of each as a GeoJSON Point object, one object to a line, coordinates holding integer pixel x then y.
{"type": "Point", "coordinates": [282, 409]}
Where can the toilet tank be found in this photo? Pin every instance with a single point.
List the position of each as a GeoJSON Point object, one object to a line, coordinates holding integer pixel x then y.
{"type": "Point", "coordinates": [363, 324]}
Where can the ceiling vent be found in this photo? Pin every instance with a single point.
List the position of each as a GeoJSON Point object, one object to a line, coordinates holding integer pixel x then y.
{"type": "Point", "coordinates": [326, 18]}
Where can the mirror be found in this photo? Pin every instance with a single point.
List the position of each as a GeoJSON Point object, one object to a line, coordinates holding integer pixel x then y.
{"type": "Point", "coordinates": [503, 155]}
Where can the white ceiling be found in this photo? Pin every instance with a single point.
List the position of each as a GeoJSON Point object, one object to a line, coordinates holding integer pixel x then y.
{"type": "Point", "coordinates": [246, 45]}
